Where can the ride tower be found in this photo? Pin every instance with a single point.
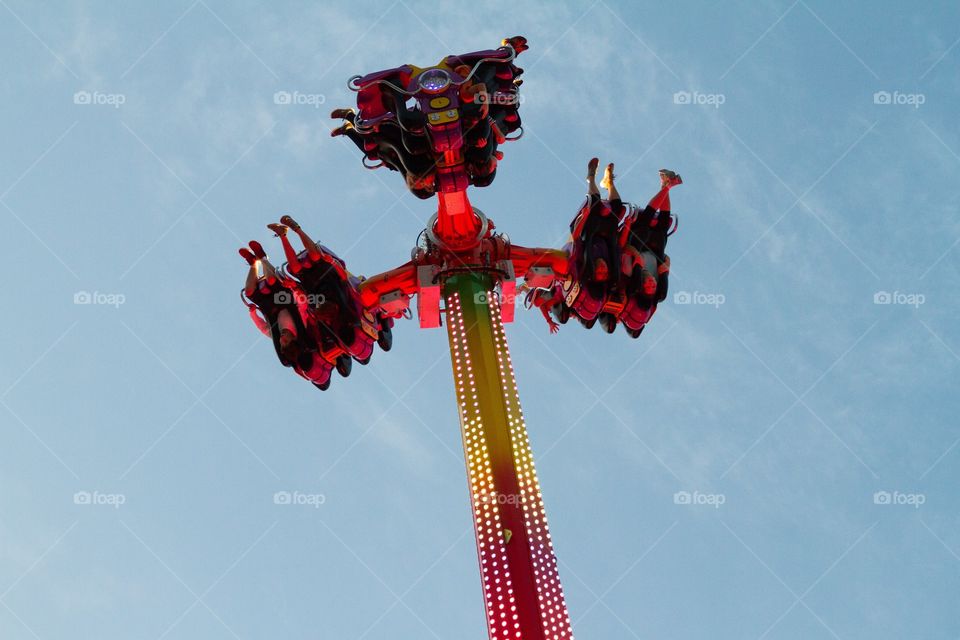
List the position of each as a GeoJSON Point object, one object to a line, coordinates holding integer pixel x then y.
{"type": "Point", "coordinates": [472, 270]}
{"type": "Point", "coordinates": [522, 593]}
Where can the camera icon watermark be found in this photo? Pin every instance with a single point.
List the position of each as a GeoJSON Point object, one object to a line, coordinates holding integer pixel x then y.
{"type": "Point", "coordinates": [897, 498]}
{"type": "Point", "coordinates": [98, 98]}
{"type": "Point", "coordinates": [95, 498]}
{"type": "Point", "coordinates": [297, 498]}
{"type": "Point", "coordinates": [295, 98]}
{"type": "Point", "coordinates": [99, 298]}
{"type": "Point", "coordinates": [899, 298]}
{"type": "Point", "coordinates": [699, 99]}
{"type": "Point", "coordinates": [699, 297]}
{"type": "Point", "coordinates": [697, 498]}
{"type": "Point", "coordinates": [898, 98]}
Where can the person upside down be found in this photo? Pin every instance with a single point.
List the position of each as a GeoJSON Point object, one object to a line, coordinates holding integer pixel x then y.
{"type": "Point", "coordinates": [324, 278]}
{"type": "Point", "coordinates": [645, 266]}
{"type": "Point", "coordinates": [278, 309]}
{"type": "Point", "coordinates": [594, 232]}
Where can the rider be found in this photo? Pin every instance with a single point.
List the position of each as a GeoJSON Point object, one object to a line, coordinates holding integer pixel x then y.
{"type": "Point", "coordinates": [408, 154]}
{"type": "Point", "coordinates": [324, 277]}
{"type": "Point", "coordinates": [480, 133]}
{"type": "Point", "coordinates": [643, 241]}
{"type": "Point", "coordinates": [284, 320]}
{"type": "Point", "coordinates": [596, 227]}
{"type": "Point", "coordinates": [501, 80]}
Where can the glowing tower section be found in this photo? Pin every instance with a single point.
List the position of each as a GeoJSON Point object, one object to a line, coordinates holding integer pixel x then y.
{"type": "Point", "coordinates": [521, 584]}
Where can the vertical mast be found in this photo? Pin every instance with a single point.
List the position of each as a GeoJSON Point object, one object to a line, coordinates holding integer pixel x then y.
{"type": "Point", "coordinates": [521, 585]}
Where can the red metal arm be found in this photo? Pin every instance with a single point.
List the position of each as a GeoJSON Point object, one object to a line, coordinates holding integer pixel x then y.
{"type": "Point", "coordinates": [524, 258]}
{"type": "Point", "coordinates": [403, 278]}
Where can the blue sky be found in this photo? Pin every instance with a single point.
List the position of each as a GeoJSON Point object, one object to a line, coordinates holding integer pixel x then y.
{"type": "Point", "coordinates": [812, 426]}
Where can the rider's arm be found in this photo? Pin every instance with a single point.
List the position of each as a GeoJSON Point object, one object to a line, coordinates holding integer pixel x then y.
{"type": "Point", "coordinates": [545, 310]}
{"type": "Point", "coordinates": [260, 323]}
{"type": "Point", "coordinates": [663, 278]}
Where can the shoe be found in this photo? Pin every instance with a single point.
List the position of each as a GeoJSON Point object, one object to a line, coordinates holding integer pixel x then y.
{"type": "Point", "coordinates": [592, 167]}
{"type": "Point", "coordinates": [258, 249]}
{"type": "Point", "coordinates": [342, 129]}
{"type": "Point", "coordinates": [279, 229]}
{"type": "Point", "coordinates": [343, 114]}
{"type": "Point", "coordinates": [290, 222]}
{"type": "Point", "coordinates": [608, 177]}
{"type": "Point", "coordinates": [519, 43]}
{"type": "Point", "coordinates": [669, 178]}
{"type": "Point", "coordinates": [248, 256]}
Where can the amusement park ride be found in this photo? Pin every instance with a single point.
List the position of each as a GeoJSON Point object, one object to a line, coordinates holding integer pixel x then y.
{"type": "Point", "coordinates": [440, 127]}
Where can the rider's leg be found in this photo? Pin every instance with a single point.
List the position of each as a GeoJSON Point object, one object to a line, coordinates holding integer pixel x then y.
{"type": "Point", "coordinates": [592, 189]}
{"type": "Point", "coordinates": [661, 201]}
{"type": "Point", "coordinates": [252, 277]}
{"type": "Point", "coordinates": [269, 273]}
{"type": "Point", "coordinates": [608, 183]}
{"type": "Point", "coordinates": [307, 241]}
{"type": "Point", "coordinates": [293, 263]}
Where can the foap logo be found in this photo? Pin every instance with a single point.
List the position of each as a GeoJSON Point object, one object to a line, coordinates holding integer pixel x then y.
{"type": "Point", "coordinates": [899, 99]}
{"type": "Point", "coordinates": [98, 98]}
{"type": "Point", "coordinates": [493, 498]}
{"type": "Point", "coordinates": [297, 498]}
{"type": "Point", "coordinates": [897, 498]}
{"type": "Point", "coordinates": [699, 297]}
{"type": "Point", "coordinates": [485, 297]}
{"type": "Point", "coordinates": [297, 99]}
{"type": "Point", "coordinates": [699, 99]}
{"type": "Point", "coordinates": [95, 498]}
{"type": "Point", "coordinates": [499, 98]}
{"type": "Point", "coordinates": [99, 298]}
{"type": "Point", "coordinates": [899, 298]}
{"type": "Point", "coordinates": [299, 298]}
{"type": "Point", "coordinates": [696, 498]}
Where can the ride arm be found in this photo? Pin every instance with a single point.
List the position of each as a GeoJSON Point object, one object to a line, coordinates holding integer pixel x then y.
{"type": "Point", "coordinates": [403, 278]}
{"type": "Point", "coordinates": [525, 258]}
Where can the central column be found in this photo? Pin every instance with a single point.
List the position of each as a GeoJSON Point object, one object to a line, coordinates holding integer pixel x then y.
{"type": "Point", "coordinates": [521, 585]}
